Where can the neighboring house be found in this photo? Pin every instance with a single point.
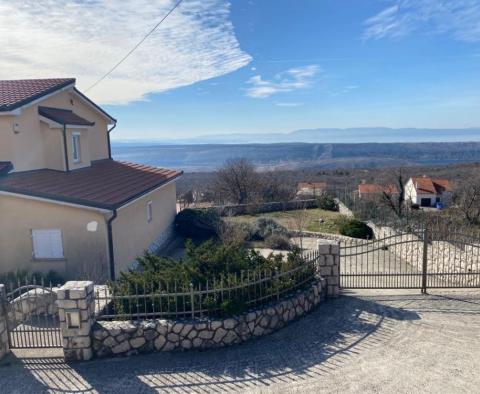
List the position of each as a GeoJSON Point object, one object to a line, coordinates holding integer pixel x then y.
{"type": "Point", "coordinates": [311, 189]}
{"type": "Point", "coordinates": [65, 205]}
{"type": "Point", "coordinates": [373, 190]}
{"type": "Point", "coordinates": [428, 192]}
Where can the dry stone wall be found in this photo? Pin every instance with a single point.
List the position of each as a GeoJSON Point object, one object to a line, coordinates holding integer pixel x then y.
{"type": "Point", "coordinates": [127, 337]}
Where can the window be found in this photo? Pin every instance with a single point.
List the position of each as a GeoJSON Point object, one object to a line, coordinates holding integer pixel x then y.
{"type": "Point", "coordinates": [149, 212]}
{"type": "Point", "coordinates": [47, 244]}
{"type": "Point", "coordinates": [76, 147]}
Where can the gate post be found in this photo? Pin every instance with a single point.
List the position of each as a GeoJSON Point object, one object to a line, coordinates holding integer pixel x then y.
{"type": "Point", "coordinates": [329, 265]}
{"type": "Point", "coordinates": [4, 349]}
{"type": "Point", "coordinates": [76, 312]}
{"type": "Point", "coordinates": [425, 261]}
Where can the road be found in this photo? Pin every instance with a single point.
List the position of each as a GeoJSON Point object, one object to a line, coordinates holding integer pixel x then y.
{"type": "Point", "coordinates": [370, 341]}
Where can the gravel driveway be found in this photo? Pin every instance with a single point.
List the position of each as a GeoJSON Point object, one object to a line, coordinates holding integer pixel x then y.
{"type": "Point", "coordinates": [392, 342]}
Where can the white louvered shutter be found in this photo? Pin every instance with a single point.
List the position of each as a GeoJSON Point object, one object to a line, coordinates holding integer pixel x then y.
{"type": "Point", "coordinates": [47, 244]}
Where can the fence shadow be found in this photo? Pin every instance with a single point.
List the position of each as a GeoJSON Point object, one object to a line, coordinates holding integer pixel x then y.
{"type": "Point", "coordinates": [312, 347]}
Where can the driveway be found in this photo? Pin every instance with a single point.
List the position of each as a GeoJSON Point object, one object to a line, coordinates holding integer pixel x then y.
{"type": "Point", "coordinates": [378, 342]}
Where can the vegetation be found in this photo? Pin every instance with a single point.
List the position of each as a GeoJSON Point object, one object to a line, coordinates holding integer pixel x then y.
{"type": "Point", "coordinates": [210, 265]}
{"type": "Point", "coordinates": [356, 229]}
{"type": "Point", "coordinates": [327, 203]}
{"type": "Point", "coordinates": [467, 200]}
{"type": "Point", "coordinates": [198, 223]}
{"type": "Point", "coordinates": [21, 278]}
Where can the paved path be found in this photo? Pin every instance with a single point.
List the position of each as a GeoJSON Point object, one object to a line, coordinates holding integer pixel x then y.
{"type": "Point", "coordinates": [363, 342]}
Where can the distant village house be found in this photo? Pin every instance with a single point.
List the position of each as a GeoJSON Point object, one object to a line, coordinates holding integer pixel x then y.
{"type": "Point", "coordinates": [311, 189]}
{"type": "Point", "coordinates": [428, 192]}
{"type": "Point", "coordinates": [373, 190]}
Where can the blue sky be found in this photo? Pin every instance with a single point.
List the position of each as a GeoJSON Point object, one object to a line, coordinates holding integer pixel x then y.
{"type": "Point", "coordinates": [259, 66]}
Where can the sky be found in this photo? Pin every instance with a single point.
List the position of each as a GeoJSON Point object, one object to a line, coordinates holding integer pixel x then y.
{"type": "Point", "coordinates": [255, 66]}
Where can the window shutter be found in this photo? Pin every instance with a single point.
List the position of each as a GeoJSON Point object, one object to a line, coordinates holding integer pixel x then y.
{"type": "Point", "coordinates": [47, 244]}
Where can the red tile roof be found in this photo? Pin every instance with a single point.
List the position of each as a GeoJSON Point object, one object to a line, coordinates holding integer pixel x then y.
{"type": "Point", "coordinates": [312, 185]}
{"type": "Point", "coordinates": [64, 116]}
{"type": "Point", "coordinates": [106, 184]}
{"type": "Point", "coordinates": [15, 93]}
{"type": "Point", "coordinates": [5, 167]}
{"type": "Point", "coordinates": [431, 186]}
{"type": "Point", "coordinates": [373, 188]}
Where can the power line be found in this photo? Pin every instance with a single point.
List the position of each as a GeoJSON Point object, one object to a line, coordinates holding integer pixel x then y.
{"type": "Point", "coordinates": [134, 48]}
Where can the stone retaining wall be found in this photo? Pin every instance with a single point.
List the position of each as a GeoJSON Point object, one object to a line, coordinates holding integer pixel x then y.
{"type": "Point", "coordinates": [343, 209]}
{"type": "Point", "coordinates": [442, 256]}
{"type": "Point", "coordinates": [126, 337]}
{"type": "Point", "coordinates": [234, 210]}
{"type": "Point", "coordinates": [33, 302]}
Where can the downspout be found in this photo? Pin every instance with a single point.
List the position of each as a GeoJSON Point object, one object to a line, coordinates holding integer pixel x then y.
{"type": "Point", "coordinates": [110, 244]}
{"type": "Point", "coordinates": [108, 139]}
{"type": "Point", "coordinates": [65, 151]}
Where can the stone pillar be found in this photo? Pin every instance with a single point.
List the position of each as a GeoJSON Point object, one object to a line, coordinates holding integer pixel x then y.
{"type": "Point", "coordinates": [76, 311]}
{"type": "Point", "coordinates": [3, 322]}
{"type": "Point", "coordinates": [329, 265]}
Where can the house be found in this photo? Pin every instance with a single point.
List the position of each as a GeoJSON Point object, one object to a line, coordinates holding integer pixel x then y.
{"type": "Point", "coordinates": [311, 189]}
{"type": "Point", "coordinates": [373, 190]}
{"type": "Point", "coordinates": [65, 204]}
{"type": "Point", "coordinates": [428, 192]}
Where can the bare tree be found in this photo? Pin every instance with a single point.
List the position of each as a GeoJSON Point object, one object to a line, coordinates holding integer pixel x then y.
{"type": "Point", "coordinates": [237, 182]}
{"type": "Point", "coordinates": [299, 222]}
{"type": "Point", "coordinates": [393, 197]}
{"type": "Point", "coordinates": [274, 187]}
{"type": "Point", "coordinates": [467, 200]}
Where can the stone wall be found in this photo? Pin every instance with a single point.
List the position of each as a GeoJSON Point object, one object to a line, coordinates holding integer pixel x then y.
{"type": "Point", "coordinates": [442, 256]}
{"type": "Point", "coordinates": [125, 338]}
{"type": "Point", "coordinates": [343, 209]}
{"type": "Point", "coordinates": [234, 210]}
{"type": "Point", "coordinates": [33, 302]}
{"type": "Point", "coordinates": [3, 323]}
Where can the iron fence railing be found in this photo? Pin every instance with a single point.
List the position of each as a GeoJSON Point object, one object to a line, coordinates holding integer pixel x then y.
{"type": "Point", "coordinates": [228, 294]}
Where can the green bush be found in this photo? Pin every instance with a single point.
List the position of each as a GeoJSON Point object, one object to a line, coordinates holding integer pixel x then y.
{"type": "Point", "coordinates": [21, 278]}
{"type": "Point", "coordinates": [263, 228]}
{"type": "Point", "coordinates": [356, 229]}
{"type": "Point", "coordinates": [209, 265]}
{"type": "Point", "coordinates": [327, 203]}
{"type": "Point", "coordinates": [277, 241]}
{"type": "Point", "coordinates": [197, 223]}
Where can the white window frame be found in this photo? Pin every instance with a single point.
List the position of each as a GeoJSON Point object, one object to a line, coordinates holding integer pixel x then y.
{"type": "Point", "coordinates": [149, 211]}
{"type": "Point", "coordinates": [76, 147]}
{"type": "Point", "coordinates": [47, 244]}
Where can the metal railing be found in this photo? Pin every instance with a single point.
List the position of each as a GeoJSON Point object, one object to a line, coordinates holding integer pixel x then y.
{"type": "Point", "coordinates": [228, 294]}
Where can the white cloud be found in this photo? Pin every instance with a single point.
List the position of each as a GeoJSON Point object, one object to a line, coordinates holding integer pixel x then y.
{"type": "Point", "coordinates": [460, 18]}
{"type": "Point", "coordinates": [287, 81]}
{"type": "Point", "coordinates": [287, 104]}
{"type": "Point", "coordinates": [84, 39]}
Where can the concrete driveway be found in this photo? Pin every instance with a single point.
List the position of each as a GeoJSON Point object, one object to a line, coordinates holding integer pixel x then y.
{"type": "Point", "coordinates": [378, 342]}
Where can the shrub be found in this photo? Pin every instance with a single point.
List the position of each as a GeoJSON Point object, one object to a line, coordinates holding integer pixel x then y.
{"type": "Point", "coordinates": [277, 241]}
{"type": "Point", "coordinates": [327, 203]}
{"type": "Point", "coordinates": [356, 229]}
{"type": "Point", "coordinates": [13, 279]}
{"type": "Point", "coordinates": [415, 207]}
{"type": "Point", "coordinates": [197, 223]}
{"type": "Point", "coordinates": [265, 227]}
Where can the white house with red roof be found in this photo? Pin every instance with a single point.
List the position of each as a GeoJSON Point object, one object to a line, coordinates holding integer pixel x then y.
{"type": "Point", "coordinates": [428, 192]}
{"type": "Point", "coordinates": [65, 204]}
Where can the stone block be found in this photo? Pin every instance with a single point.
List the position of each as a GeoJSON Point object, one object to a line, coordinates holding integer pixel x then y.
{"type": "Point", "coordinates": [159, 342]}
{"type": "Point", "coordinates": [121, 348]}
{"type": "Point", "coordinates": [137, 342]}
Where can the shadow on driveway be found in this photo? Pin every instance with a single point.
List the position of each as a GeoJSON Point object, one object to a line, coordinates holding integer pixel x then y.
{"type": "Point", "coordinates": [312, 347]}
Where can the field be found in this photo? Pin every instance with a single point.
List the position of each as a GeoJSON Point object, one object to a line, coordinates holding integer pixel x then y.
{"type": "Point", "coordinates": [316, 220]}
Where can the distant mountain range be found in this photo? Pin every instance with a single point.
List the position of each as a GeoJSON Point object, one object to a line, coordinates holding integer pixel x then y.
{"type": "Point", "coordinates": [334, 136]}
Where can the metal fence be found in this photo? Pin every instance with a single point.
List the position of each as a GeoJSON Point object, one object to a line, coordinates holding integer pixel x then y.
{"type": "Point", "coordinates": [227, 294]}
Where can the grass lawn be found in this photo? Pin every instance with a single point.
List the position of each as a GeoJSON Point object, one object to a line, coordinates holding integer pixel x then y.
{"type": "Point", "coordinates": [289, 219]}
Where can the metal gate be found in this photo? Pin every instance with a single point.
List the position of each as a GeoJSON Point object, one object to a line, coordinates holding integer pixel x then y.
{"type": "Point", "coordinates": [413, 260]}
{"type": "Point", "coordinates": [32, 318]}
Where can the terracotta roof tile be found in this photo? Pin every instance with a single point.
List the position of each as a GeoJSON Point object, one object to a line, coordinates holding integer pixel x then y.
{"type": "Point", "coordinates": [431, 186]}
{"type": "Point", "coordinates": [15, 93]}
{"type": "Point", "coordinates": [106, 184]}
{"type": "Point", "coordinates": [312, 185]}
{"type": "Point", "coordinates": [63, 116]}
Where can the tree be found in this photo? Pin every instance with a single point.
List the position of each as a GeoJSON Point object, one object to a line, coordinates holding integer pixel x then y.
{"type": "Point", "coordinates": [275, 188]}
{"type": "Point", "coordinates": [467, 200]}
{"type": "Point", "coordinates": [394, 197]}
{"type": "Point", "coordinates": [237, 182]}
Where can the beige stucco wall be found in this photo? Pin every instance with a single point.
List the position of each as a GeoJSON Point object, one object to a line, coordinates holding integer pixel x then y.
{"type": "Point", "coordinates": [85, 251]}
{"type": "Point", "coordinates": [131, 232]}
{"type": "Point", "coordinates": [37, 146]}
